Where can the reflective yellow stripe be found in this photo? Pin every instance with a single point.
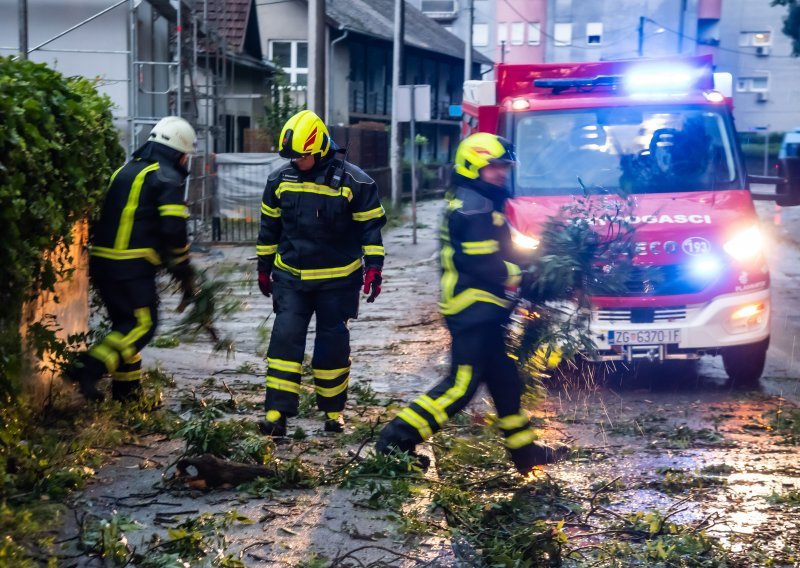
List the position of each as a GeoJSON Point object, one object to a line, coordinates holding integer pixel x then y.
{"type": "Point", "coordinates": [469, 297]}
{"type": "Point", "coordinates": [329, 374]}
{"type": "Point", "coordinates": [374, 250]}
{"type": "Point", "coordinates": [520, 439]}
{"type": "Point", "coordinates": [458, 390]}
{"type": "Point", "coordinates": [124, 344]}
{"type": "Point", "coordinates": [148, 254]}
{"type": "Point", "coordinates": [273, 415]}
{"type": "Point", "coordinates": [319, 273]}
{"type": "Point", "coordinates": [367, 215]}
{"type": "Point", "coordinates": [126, 220]}
{"type": "Point", "coordinates": [180, 259]}
{"type": "Point", "coordinates": [512, 421]}
{"type": "Point", "coordinates": [430, 405]}
{"type": "Point", "coordinates": [135, 359]}
{"type": "Point", "coordinates": [453, 204]}
{"type": "Point", "coordinates": [282, 385]}
{"type": "Point", "coordinates": [416, 421]}
{"type": "Point", "coordinates": [332, 391]}
{"type": "Point", "coordinates": [514, 274]}
{"type": "Point", "coordinates": [270, 211]}
{"type": "Point", "coordinates": [105, 355]}
{"type": "Point", "coordinates": [266, 249]}
{"type": "Point", "coordinates": [171, 210]}
{"type": "Point", "coordinates": [498, 219]}
{"type": "Point", "coordinates": [180, 250]}
{"type": "Point", "coordinates": [311, 187]}
{"type": "Point", "coordinates": [129, 376]}
{"type": "Point", "coordinates": [449, 274]}
{"type": "Point", "coordinates": [287, 366]}
{"type": "Point", "coordinates": [480, 247]}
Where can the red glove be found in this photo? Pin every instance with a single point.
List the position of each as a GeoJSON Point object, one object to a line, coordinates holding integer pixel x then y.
{"type": "Point", "coordinates": [372, 283]}
{"type": "Point", "coordinates": [265, 283]}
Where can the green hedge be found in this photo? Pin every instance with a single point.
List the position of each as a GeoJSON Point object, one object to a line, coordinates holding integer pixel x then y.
{"type": "Point", "coordinates": [58, 147]}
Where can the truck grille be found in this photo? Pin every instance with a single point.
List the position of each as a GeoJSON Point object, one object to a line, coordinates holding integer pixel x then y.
{"type": "Point", "coordinates": [641, 315]}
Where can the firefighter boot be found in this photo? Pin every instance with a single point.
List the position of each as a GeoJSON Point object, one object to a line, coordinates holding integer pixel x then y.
{"type": "Point", "coordinates": [536, 453]}
{"type": "Point", "coordinates": [126, 391]}
{"type": "Point", "coordinates": [274, 425]}
{"type": "Point", "coordinates": [334, 422]}
{"type": "Point", "coordinates": [388, 446]}
{"type": "Point", "coordinates": [81, 373]}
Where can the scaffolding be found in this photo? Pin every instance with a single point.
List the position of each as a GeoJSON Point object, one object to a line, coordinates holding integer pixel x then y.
{"type": "Point", "coordinates": [179, 63]}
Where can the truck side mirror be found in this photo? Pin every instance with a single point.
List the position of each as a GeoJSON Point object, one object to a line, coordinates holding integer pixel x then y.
{"type": "Point", "coordinates": [788, 193]}
{"type": "Point", "coordinates": [787, 183]}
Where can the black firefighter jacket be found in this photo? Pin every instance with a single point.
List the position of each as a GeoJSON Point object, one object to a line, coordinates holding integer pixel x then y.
{"type": "Point", "coordinates": [315, 236]}
{"type": "Point", "coordinates": [476, 257]}
{"type": "Point", "coordinates": [143, 218]}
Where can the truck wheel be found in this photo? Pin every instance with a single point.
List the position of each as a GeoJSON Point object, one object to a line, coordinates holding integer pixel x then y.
{"type": "Point", "coordinates": [744, 364]}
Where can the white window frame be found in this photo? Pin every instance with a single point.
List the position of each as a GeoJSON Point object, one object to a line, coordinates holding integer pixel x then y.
{"type": "Point", "coordinates": [517, 33]}
{"type": "Point", "coordinates": [594, 29]}
{"type": "Point", "coordinates": [562, 34]}
{"type": "Point", "coordinates": [502, 33]}
{"type": "Point", "coordinates": [292, 70]}
{"type": "Point", "coordinates": [748, 38]}
{"type": "Point", "coordinates": [534, 33]}
{"type": "Point", "coordinates": [480, 39]}
{"type": "Point", "coordinates": [745, 84]}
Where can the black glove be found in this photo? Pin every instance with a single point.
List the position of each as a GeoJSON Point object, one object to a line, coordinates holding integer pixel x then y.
{"type": "Point", "coordinates": [186, 278]}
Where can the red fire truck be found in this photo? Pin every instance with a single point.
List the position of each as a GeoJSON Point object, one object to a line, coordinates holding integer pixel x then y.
{"type": "Point", "coordinates": [660, 132]}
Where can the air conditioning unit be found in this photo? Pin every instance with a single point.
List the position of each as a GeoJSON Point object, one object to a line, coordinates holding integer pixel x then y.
{"type": "Point", "coordinates": [762, 50]}
{"type": "Point", "coordinates": [763, 96]}
{"type": "Point", "coordinates": [440, 9]}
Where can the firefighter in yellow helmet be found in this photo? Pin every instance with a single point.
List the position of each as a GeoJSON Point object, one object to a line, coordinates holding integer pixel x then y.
{"type": "Point", "coordinates": [142, 226]}
{"type": "Point", "coordinates": [319, 242]}
{"type": "Point", "coordinates": [477, 266]}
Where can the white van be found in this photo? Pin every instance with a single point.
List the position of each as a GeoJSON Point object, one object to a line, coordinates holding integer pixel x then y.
{"type": "Point", "coordinates": [790, 147]}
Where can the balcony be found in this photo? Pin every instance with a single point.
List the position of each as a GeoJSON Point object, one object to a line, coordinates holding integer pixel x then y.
{"type": "Point", "coordinates": [440, 9]}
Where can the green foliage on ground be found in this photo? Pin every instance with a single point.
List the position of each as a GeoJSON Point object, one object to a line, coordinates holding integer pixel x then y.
{"type": "Point", "coordinates": [58, 147]}
{"type": "Point", "coordinates": [45, 455]}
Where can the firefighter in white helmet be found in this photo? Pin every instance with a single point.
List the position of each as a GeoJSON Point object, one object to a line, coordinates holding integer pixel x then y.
{"type": "Point", "coordinates": [142, 227]}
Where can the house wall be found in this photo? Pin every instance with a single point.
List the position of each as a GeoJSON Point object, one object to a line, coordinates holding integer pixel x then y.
{"type": "Point", "coordinates": [620, 20]}
{"type": "Point", "coordinates": [47, 18]}
{"type": "Point", "coordinates": [781, 109]}
{"type": "Point", "coordinates": [524, 12]}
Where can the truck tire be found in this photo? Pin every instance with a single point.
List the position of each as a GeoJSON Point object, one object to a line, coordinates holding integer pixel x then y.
{"type": "Point", "coordinates": [744, 364]}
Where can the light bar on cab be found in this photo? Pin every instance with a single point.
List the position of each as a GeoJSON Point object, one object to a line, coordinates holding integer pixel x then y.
{"type": "Point", "coordinates": [655, 79]}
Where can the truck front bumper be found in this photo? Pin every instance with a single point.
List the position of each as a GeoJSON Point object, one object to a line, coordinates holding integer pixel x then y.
{"type": "Point", "coordinates": [688, 332]}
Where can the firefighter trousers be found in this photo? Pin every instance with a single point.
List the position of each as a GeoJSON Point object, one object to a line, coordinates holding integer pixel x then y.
{"type": "Point", "coordinates": [331, 359]}
{"type": "Point", "coordinates": [133, 310]}
{"type": "Point", "coordinates": [478, 355]}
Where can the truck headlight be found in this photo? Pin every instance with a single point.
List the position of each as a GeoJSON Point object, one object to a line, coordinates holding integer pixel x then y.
{"type": "Point", "coordinates": [746, 245]}
{"type": "Point", "coordinates": [523, 241]}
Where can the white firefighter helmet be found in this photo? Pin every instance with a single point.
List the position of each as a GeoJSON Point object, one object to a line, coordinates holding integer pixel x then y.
{"type": "Point", "coordinates": [175, 132]}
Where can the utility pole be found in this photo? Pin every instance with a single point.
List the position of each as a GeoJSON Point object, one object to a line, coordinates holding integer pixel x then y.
{"type": "Point", "coordinates": [396, 141]}
{"type": "Point", "coordinates": [681, 26]}
{"type": "Point", "coordinates": [23, 29]}
{"type": "Point", "coordinates": [316, 52]}
{"type": "Point", "coordinates": [468, 43]}
{"type": "Point", "coordinates": [640, 50]}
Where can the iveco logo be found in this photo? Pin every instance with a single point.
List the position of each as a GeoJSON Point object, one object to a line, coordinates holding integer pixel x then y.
{"type": "Point", "coordinates": [696, 245]}
{"type": "Point", "coordinates": [656, 247]}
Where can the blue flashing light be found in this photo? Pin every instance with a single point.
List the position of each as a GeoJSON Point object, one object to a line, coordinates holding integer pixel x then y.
{"type": "Point", "coordinates": [706, 267]}
{"type": "Point", "coordinates": [673, 79]}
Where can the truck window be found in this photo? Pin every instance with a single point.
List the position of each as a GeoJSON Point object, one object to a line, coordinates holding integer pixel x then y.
{"type": "Point", "coordinates": [630, 150]}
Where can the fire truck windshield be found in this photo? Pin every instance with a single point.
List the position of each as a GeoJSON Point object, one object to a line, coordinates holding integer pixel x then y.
{"type": "Point", "coordinates": [623, 149]}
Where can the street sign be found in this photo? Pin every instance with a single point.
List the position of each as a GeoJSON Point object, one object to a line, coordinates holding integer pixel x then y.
{"type": "Point", "coordinates": [422, 103]}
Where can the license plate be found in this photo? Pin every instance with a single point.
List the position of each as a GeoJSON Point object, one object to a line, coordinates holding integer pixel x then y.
{"type": "Point", "coordinates": [644, 337]}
